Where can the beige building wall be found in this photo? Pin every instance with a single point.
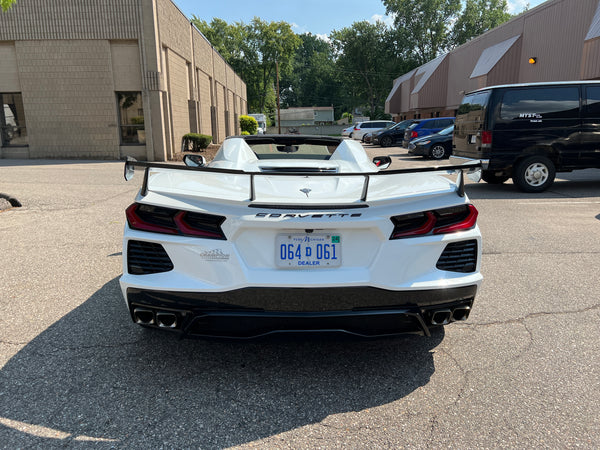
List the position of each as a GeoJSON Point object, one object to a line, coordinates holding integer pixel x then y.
{"type": "Point", "coordinates": [178, 89]}
{"type": "Point", "coordinates": [9, 75]}
{"type": "Point", "coordinates": [68, 59]}
{"type": "Point", "coordinates": [205, 101]}
{"type": "Point", "coordinates": [69, 98]}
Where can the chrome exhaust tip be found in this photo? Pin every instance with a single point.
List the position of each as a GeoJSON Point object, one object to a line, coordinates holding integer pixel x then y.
{"type": "Point", "coordinates": [143, 316]}
{"type": "Point", "coordinates": [166, 319]}
{"type": "Point", "coordinates": [441, 317]}
{"type": "Point", "coordinates": [461, 313]}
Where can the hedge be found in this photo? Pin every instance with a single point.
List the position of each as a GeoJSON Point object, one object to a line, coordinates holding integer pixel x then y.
{"type": "Point", "coordinates": [194, 142]}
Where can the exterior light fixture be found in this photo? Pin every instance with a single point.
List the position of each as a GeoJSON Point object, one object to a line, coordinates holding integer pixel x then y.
{"type": "Point", "coordinates": [532, 60]}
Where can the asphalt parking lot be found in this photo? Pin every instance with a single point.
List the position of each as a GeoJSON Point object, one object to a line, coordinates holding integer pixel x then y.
{"type": "Point", "coordinates": [523, 371]}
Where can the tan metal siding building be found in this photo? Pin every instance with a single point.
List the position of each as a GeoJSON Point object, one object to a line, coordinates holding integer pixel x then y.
{"type": "Point", "coordinates": [104, 79]}
{"type": "Point", "coordinates": [562, 35]}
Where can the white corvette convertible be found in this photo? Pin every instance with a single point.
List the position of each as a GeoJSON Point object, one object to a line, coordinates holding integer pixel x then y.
{"type": "Point", "coordinates": [289, 233]}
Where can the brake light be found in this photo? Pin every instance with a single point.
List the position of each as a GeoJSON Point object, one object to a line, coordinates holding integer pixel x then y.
{"type": "Point", "coordinates": [486, 137]}
{"type": "Point", "coordinates": [440, 221]}
{"type": "Point", "coordinates": [158, 219]}
{"type": "Point", "coordinates": [414, 134]}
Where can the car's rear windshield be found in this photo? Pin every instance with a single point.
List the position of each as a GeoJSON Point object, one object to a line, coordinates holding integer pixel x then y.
{"type": "Point", "coordinates": [476, 101]}
{"type": "Point", "coordinates": [292, 151]}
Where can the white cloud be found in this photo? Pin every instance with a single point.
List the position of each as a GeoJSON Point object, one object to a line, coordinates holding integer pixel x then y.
{"type": "Point", "coordinates": [517, 6]}
{"type": "Point", "coordinates": [323, 37]}
{"type": "Point", "coordinates": [389, 21]}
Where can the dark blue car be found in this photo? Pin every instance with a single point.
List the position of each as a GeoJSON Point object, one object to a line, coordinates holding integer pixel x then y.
{"type": "Point", "coordinates": [426, 127]}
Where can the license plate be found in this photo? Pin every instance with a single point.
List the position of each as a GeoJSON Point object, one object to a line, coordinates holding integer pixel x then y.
{"type": "Point", "coordinates": [308, 251]}
{"type": "Point", "coordinates": [473, 139]}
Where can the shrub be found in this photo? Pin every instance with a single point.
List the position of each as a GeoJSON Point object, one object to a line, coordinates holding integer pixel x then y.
{"type": "Point", "coordinates": [194, 142]}
{"type": "Point", "coordinates": [249, 124]}
{"type": "Point", "coordinates": [137, 120]}
{"type": "Point", "coordinates": [245, 133]}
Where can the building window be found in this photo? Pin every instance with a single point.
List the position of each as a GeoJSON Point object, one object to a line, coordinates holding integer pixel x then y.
{"type": "Point", "coordinates": [13, 130]}
{"type": "Point", "coordinates": [131, 118]}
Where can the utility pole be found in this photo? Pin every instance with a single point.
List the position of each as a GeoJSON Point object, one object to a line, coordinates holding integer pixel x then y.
{"type": "Point", "coordinates": [278, 104]}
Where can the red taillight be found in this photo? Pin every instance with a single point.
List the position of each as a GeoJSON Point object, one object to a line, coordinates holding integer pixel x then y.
{"type": "Point", "coordinates": [157, 219]}
{"type": "Point", "coordinates": [414, 134]}
{"type": "Point", "coordinates": [486, 137]}
{"type": "Point", "coordinates": [441, 221]}
{"type": "Point", "coordinates": [356, 128]}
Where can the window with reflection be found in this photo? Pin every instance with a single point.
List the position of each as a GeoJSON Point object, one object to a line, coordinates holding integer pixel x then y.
{"type": "Point", "coordinates": [131, 118]}
{"type": "Point", "coordinates": [13, 129]}
{"type": "Point", "coordinates": [541, 103]}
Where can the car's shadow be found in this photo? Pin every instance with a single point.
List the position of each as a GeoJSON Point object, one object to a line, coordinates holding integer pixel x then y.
{"type": "Point", "coordinates": [94, 376]}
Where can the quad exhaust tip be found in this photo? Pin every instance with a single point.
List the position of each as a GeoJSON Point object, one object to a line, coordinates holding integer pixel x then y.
{"type": "Point", "coordinates": [445, 316]}
{"type": "Point", "coordinates": [166, 319]}
{"type": "Point", "coordinates": [143, 316]}
{"type": "Point", "coordinates": [162, 319]}
{"type": "Point", "coordinates": [441, 317]}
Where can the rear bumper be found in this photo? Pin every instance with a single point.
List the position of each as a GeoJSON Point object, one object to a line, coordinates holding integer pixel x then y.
{"type": "Point", "coordinates": [254, 312]}
{"type": "Point", "coordinates": [485, 163]}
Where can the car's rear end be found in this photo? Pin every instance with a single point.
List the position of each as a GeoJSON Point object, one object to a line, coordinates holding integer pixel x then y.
{"type": "Point", "coordinates": [374, 259]}
{"type": "Point", "coordinates": [472, 132]}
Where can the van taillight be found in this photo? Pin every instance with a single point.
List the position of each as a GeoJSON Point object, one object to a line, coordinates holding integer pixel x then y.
{"type": "Point", "coordinates": [486, 137]}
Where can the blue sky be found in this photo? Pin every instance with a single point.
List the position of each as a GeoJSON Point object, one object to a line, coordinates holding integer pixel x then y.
{"type": "Point", "coordinates": [318, 17]}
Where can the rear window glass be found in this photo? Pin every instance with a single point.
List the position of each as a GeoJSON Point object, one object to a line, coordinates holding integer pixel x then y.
{"type": "Point", "coordinates": [541, 103]}
{"type": "Point", "coordinates": [474, 102]}
{"type": "Point", "coordinates": [593, 101]}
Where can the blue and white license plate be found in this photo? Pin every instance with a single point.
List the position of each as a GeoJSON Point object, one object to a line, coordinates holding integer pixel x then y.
{"type": "Point", "coordinates": [308, 251]}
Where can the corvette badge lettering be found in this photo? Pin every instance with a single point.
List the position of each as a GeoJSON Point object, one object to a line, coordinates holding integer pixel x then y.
{"type": "Point", "coordinates": [309, 215]}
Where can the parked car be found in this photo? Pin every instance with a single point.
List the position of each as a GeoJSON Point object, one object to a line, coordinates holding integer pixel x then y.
{"type": "Point", "coordinates": [298, 233]}
{"type": "Point", "coordinates": [426, 127]}
{"type": "Point", "coordinates": [392, 135]}
{"type": "Point", "coordinates": [530, 131]}
{"type": "Point", "coordinates": [346, 131]}
{"type": "Point", "coordinates": [370, 126]}
{"type": "Point", "coordinates": [434, 146]}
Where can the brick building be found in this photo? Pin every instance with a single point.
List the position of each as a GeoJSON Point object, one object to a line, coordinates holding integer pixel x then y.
{"type": "Point", "coordinates": [558, 40]}
{"type": "Point", "coordinates": [103, 79]}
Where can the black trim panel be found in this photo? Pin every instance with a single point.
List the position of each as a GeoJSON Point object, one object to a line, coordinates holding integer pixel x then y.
{"type": "Point", "coordinates": [300, 299]}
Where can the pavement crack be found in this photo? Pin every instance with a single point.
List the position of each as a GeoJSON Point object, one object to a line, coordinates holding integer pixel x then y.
{"type": "Point", "coordinates": [533, 315]}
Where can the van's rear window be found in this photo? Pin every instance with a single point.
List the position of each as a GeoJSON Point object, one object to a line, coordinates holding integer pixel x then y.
{"type": "Point", "coordinates": [473, 102]}
{"type": "Point", "coordinates": [540, 103]}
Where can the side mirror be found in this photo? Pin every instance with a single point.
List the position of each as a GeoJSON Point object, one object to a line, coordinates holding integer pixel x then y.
{"type": "Point", "coordinates": [382, 162]}
{"type": "Point", "coordinates": [194, 160]}
{"type": "Point", "coordinates": [129, 168]}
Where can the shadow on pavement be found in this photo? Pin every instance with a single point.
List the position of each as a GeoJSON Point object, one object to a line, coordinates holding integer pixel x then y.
{"type": "Point", "coordinates": [94, 376]}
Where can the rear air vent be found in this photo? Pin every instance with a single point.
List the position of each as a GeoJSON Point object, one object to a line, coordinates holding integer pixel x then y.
{"type": "Point", "coordinates": [459, 257]}
{"type": "Point", "coordinates": [144, 258]}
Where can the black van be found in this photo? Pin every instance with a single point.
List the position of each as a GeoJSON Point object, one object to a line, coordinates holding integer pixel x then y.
{"type": "Point", "coordinates": [530, 131]}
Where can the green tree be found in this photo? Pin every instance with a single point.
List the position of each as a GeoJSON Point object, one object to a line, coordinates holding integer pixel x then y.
{"type": "Point", "coordinates": [368, 59]}
{"type": "Point", "coordinates": [253, 50]}
{"type": "Point", "coordinates": [477, 17]}
{"type": "Point", "coordinates": [312, 80]}
{"type": "Point", "coordinates": [6, 4]}
{"type": "Point", "coordinates": [423, 25]}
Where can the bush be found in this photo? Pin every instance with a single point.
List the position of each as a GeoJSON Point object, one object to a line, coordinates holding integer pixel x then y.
{"type": "Point", "coordinates": [245, 133]}
{"type": "Point", "coordinates": [249, 124]}
{"type": "Point", "coordinates": [137, 120]}
{"type": "Point", "coordinates": [194, 142]}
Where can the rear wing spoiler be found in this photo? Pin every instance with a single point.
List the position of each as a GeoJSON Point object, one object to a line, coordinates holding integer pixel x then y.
{"type": "Point", "coordinates": [472, 169]}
